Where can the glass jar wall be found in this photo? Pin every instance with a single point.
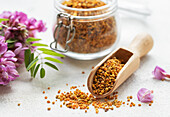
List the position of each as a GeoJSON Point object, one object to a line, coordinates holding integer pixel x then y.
{"type": "Point", "coordinates": [85, 31]}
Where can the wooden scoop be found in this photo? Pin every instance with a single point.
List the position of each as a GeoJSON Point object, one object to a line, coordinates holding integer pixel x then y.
{"type": "Point", "coordinates": [139, 47]}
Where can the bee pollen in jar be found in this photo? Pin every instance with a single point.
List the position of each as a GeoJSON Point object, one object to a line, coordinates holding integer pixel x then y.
{"type": "Point", "coordinates": [92, 35]}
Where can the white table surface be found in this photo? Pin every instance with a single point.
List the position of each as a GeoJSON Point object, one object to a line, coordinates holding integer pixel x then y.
{"type": "Point", "coordinates": [29, 92]}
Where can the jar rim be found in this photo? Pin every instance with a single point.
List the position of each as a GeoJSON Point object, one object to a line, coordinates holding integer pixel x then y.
{"type": "Point", "coordinates": [112, 7]}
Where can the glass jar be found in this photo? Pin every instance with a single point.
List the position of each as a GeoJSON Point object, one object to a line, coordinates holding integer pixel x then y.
{"type": "Point", "coordinates": [85, 34]}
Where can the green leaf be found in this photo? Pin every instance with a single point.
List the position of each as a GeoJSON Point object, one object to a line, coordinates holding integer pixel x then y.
{"type": "Point", "coordinates": [50, 52]}
{"type": "Point", "coordinates": [32, 64]}
{"type": "Point", "coordinates": [44, 49]}
{"type": "Point", "coordinates": [27, 56]}
{"type": "Point", "coordinates": [53, 53]}
{"type": "Point", "coordinates": [36, 70]}
{"type": "Point", "coordinates": [11, 40]}
{"type": "Point", "coordinates": [53, 59]}
{"type": "Point", "coordinates": [33, 67]}
{"type": "Point", "coordinates": [1, 20]}
{"type": "Point", "coordinates": [51, 65]}
{"type": "Point", "coordinates": [39, 44]}
{"type": "Point", "coordinates": [31, 39]}
{"type": "Point", "coordinates": [42, 72]}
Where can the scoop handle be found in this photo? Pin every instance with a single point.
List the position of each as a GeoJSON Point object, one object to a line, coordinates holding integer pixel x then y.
{"type": "Point", "coordinates": [142, 44]}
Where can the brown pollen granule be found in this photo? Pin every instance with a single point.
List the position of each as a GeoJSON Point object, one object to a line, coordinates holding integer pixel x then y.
{"type": "Point", "coordinates": [19, 104]}
{"type": "Point", "coordinates": [133, 103]}
{"type": "Point", "coordinates": [45, 97]}
{"type": "Point", "coordinates": [43, 92]}
{"type": "Point", "coordinates": [49, 88]}
{"type": "Point", "coordinates": [48, 109]}
{"type": "Point", "coordinates": [59, 91]}
{"type": "Point", "coordinates": [105, 76]}
{"type": "Point", "coordinates": [139, 104]}
{"type": "Point", "coordinates": [97, 110]}
{"type": "Point", "coordinates": [106, 109]}
{"type": "Point", "coordinates": [116, 96]}
{"type": "Point", "coordinates": [53, 102]}
{"type": "Point", "coordinates": [111, 108]}
{"type": "Point", "coordinates": [150, 104]}
{"type": "Point", "coordinates": [48, 101]}
{"type": "Point", "coordinates": [83, 72]}
{"type": "Point", "coordinates": [73, 87]}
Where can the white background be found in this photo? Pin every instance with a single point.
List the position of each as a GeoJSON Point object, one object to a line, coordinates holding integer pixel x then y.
{"type": "Point", "coordinates": [28, 91]}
